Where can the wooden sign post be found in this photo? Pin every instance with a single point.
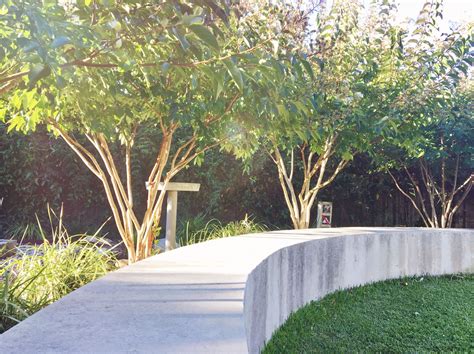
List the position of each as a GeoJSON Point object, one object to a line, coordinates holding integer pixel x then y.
{"type": "Point", "coordinates": [172, 207]}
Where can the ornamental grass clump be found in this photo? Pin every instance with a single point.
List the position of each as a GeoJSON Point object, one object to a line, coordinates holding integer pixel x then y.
{"type": "Point", "coordinates": [39, 275]}
{"type": "Point", "coordinates": [214, 229]}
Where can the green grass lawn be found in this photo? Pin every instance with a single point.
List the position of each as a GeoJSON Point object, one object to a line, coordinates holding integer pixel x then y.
{"type": "Point", "coordinates": [404, 315]}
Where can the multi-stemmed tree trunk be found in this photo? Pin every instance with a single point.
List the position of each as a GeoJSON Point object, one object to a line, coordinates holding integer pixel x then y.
{"type": "Point", "coordinates": [137, 234]}
{"type": "Point", "coordinates": [315, 166]}
{"type": "Point", "coordinates": [436, 202]}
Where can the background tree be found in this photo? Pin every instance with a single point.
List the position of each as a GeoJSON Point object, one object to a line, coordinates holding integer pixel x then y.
{"type": "Point", "coordinates": [434, 119]}
{"type": "Point", "coordinates": [440, 167]}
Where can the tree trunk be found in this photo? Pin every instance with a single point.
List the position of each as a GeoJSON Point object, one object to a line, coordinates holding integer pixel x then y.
{"type": "Point", "coordinates": [300, 202]}
{"type": "Point", "coordinates": [138, 236]}
{"type": "Point", "coordinates": [438, 210]}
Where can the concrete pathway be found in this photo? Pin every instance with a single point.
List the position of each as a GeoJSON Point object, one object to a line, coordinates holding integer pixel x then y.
{"type": "Point", "coordinates": [188, 300]}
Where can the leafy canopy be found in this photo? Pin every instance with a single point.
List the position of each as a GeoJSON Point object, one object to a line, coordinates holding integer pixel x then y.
{"type": "Point", "coordinates": [107, 66]}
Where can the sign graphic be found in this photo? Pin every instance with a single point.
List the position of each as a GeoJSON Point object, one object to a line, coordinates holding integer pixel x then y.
{"type": "Point", "coordinates": [325, 220]}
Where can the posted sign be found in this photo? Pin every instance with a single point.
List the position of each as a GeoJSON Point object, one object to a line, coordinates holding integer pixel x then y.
{"type": "Point", "coordinates": [324, 214]}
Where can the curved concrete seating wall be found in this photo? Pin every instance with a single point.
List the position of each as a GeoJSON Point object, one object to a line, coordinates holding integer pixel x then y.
{"type": "Point", "coordinates": [229, 295]}
{"type": "Point", "coordinates": [293, 276]}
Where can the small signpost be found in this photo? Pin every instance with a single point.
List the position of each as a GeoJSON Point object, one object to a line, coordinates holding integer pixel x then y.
{"type": "Point", "coordinates": [324, 214]}
{"type": "Point", "coordinates": [172, 207]}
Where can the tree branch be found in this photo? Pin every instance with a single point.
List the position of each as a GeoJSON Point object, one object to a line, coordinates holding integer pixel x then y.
{"type": "Point", "coordinates": [412, 200]}
{"type": "Point", "coordinates": [468, 183]}
{"type": "Point", "coordinates": [420, 196]}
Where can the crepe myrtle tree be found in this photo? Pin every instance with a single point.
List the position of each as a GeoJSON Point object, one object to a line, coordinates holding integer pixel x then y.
{"type": "Point", "coordinates": [331, 106]}
{"type": "Point", "coordinates": [179, 66]}
{"type": "Point", "coordinates": [432, 140]}
{"type": "Point", "coordinates": [437, 161]}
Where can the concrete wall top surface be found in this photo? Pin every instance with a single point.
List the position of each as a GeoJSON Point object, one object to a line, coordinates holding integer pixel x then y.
{"type": "Point", "coordinates": [229, 295]}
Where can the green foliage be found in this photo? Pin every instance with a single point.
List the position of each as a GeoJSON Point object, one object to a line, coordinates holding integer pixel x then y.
{"type": "Point", "coordinates": [446, 133]}
{"type": "Point", "coordinates": [330, 89]}
{"type": "Point", "coordinates": [405, 315]}
{"type": "Point", "coordinates": [22, 174]}
{"type": "Point", "coordinates": [36, 170]}
{"type": "Point", "coordinates": [198, 230]}
{"type": "Point", "coordinates": [82, 60]}
{"type": "Point", "coordinates": [49, 271]}
{"type": "Point", "coordinates": [20, 231]}
{"type": "Point", "coordinates": [370, 78]}
{"type": "Point", "coordinates": [440, 133]}
{"type": "Point", "coordinates": [13, 308]}
{"type": "Point", "coordinates": [434, 67]}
